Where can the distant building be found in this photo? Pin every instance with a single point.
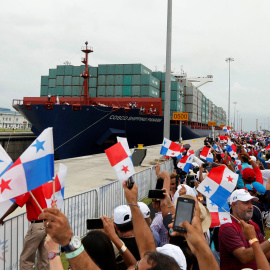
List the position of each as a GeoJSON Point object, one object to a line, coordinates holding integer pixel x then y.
{"type": "Point", "coordinates": [12, 119]}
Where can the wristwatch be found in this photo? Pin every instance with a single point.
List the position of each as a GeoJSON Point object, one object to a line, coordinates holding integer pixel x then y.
{"type": "Point", "coordinates": [52, 255]}
{"type": "Point", "coordinates": [252, 241]}
{"type": "Point", "coordinates": [75, 243]}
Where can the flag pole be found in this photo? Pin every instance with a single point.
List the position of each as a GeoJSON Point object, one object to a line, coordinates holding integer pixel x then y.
{"type": "Point", "coordinates": [36, 201]}
{"type": "Point", "coordinates": [54, 192]}
{"type": "Point", "coordinates": [230, 214]}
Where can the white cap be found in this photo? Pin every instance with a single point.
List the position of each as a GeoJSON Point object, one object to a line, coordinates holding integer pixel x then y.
{"type": "Point", "coordinates": [241, 195]}
{"type": "Point", "coordinates": [122, 214]}
{"type": "Point", "coordinates": [174, 252]}
{"type": "Point", "coordinates": [253, 158]}
{"type": "Point", "coordinates": [144, 209]}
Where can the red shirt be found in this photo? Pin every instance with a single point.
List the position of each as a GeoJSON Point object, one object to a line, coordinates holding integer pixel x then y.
{"type": "Point", "coordinates": [231, 238]}
{"type": "Point", "coordinates": [32, 209]}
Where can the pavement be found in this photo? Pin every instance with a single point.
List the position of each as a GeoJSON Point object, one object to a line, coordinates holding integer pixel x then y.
{"type": "Point", "coordinates": [89, 172]}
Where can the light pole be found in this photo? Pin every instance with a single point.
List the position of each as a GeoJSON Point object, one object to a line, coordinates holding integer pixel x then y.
{"type": "Point", "coordinates": [229, 59]}
{"type": "Point", "coordinates": [237, 121]}
{"type": "Point", "coordinates": [234, 116]}
{"type": "Point", "coordinates": [180, 122]}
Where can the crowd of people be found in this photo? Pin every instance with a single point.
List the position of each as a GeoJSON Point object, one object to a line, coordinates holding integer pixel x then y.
{"type": "Point", "coordinates": [131, 240]}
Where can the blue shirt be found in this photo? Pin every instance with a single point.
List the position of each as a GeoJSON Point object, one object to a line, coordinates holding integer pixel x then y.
{"type": "Point", "coordinates": [240, 182]}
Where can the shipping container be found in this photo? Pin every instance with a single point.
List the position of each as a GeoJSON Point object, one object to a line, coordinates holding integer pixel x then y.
{"type": "Point", "coordinates": [176, 86]}
{"type": "Point", "coordinates": [101, 80]}
{"type": "Point", "coordinates": [140, 69]}
{"type": "Point", "coordinates": [191, 91]}
{"type": "Point", "coordinates": [199, 103]}
{"type": "Point", "coordinates": [44, 80]}
{"type": "Point", "coordinates": [93, 82]}
{"type": "Point", "coordinates": [59, 80]}
{"type": "Point", "coordinates": [76, 71]}
{"type": "Point", "coordinates": [136, 91]}
{"type": "Point", "coordinates": [102, 69]}
{"type": "Point", "coordinates": [110, 70]}
{"type": "Point", "coordinates": [109, 91]}
{"type": "Point", "coordinates": [68, 70]}
{"type": "Point", "coordinates": [110, 80]}
{"type": "Point", "coordinates": [191, 108]}
{"type": "Point", "coordinates": [163, 76]}
{"type": "Point", "coordinates": [127, 80]}
{"type": "Point", "coordinates": [190, 100]}
{"type": "Point", "coordinates": [150, 80]}
{"type": "Point", "coordinates": [52, 83]}
{"type": "Point", "coordinates": [192, 117]}
{"type": "Point", "coordinates": [199, 110]}
{"type": "Point", "coordinates": [119, 69]}
{"type": "Point", "coordinates": [158, 75]}
{"type": "Point", "coordinates": [59, 90]}
{"type": "Point", "coordinates": [118, 79]}
{"type": "Point", "coordinates": [175, 106]}
{"type": "Point", "coordinates": [101, 90]}
{"type": "Point", "coordinates": [149, 91]}
{"type": "Point", "coordinates": [67, 91]}
{"type": "Point", "coordinates": [68, 80]}
{"type": "Point", "coordinates": [92, 92]}
{"type": "Point", "coordinates": [127, 69]}
{"type": "Point", "coordinates": [93, 71]}
{"type": "Point", "coordinates": [75, 80]}
{"type": "Point", "coordinates": [76, 91]}
{"type": "Point", "coordinates": [60, 70]}
{"type": "Point", "coordinates": [44, 91]}
{"type": "Point", "coordinates": [52, 73]}
{"type": "Point", "coordinates": [136, 79]}
{"type": "Point", "coordinates": [199, 94]}
{"type": "Point", "coordinates": [126, 90]}
{"type": "Point", "coordinates": [118, 91]}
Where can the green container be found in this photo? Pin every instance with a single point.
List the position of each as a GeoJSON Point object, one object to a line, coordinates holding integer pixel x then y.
{"type": "Point", "coordinates": [175, 106]}
{"type": "Point", "coordinates": [119, 69]}
{"type": "Point", "coordinates": [157, 74]}
{"type": "Point", "coordinates": [127, 91]}
{"type": "Point", "coordinates": [68, 80]}
{"type": "Point", "coordinates": [150, 80]}
{"type": "Point", "coordinates": [136, 80]}
{"type": "Point", "coordinates": [76, 71]}
{"type": "Point", "coordinates": [127, 80]}
{"type": "Point", "coordinates": [101, 91]}
{"type": "Point", "coordinates": [136, 91]}
{"type": "Point", "coordinates": [82, 69]}
{"type": "Point", "coordinates": [164, 75]}
{"type": "Point", "coordinates": [75, 80]}
{"type": "Point", "coordinates": [127, 69]}
{"type": "Point", "coordinates": [140, 69]}
{"type": "Point", "coordinates": [92, 92]}
{"type": "Point", "coordinates": [68, 70]}
{"type": "Point", "coordinates": [81, 80]}
{"type": "Point", "coordinates": [93, 71]}
{"type": "Point", "coordinates": [75, 91]}
{"type": "Point", "coordinates": [59, 90]}
{"type": "Point", "coordinates": [175, 95]}
{"type": "Point", "coordinates": [44, 91]}
{"type": "Point", "coordinates": [149, 91]}
{"type": "Point", "coordinates": [109, 91]}
{"type": "Point", "coordinates": [52, 73]}
{"type": "Point", "coordinates": [44, 80]}
{"type": "Point", "coordinates": [67, 91]}
{"type": "Point", "coordinates": [118, 91]}
{"type": "Point", "coordinates": [60, 71]}
{"type": "Point", "coordinates": [59, 80]}
{"type": "Point", "coordinates": [118, 79]}
{"type": "Point", "coordinates": [92, 82]}
{"type": "Point", "coordinates": [110, 80]}
{"type": "Point", "coordinates": [110, 70]}
{"type": "Point", "coordinates": [52, 83]}
{"type": "Point", "coordinates": [101, 79]}
{"type": "Point", "coordinates": [175, 86]}
{"type": "Point", "coordinates": [102, 69]}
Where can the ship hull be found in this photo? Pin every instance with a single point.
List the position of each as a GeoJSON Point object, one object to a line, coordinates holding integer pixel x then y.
{"type": "Point", "coordinates": [92, 129]}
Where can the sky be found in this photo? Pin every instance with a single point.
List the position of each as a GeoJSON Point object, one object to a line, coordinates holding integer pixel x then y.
{"type": "Point", "coordinates": [37, 35]}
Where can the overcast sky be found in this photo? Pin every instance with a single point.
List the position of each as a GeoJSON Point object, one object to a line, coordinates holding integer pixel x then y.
{"type": "Point", "coordinates": [37, 35]}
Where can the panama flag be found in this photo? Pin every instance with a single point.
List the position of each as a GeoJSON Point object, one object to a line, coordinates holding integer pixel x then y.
{"type": "Point", "coordinates": [226, 129]}
{"type": "Point", "coordinates": [217, 148]}
{"type": "Point", "coordinates": [218, 215]}
{"type": "Point", "coordinates": [5, 161]}
{"type": "Point", "coordinates": [238, 165]}
{"type": "Point", "coordinates": [231, 149]}
{"type": "Point", "coordinates": [124, 143]}
{"type": "Point", "coordinates": [222, 139]}
{"type": "Point", "coordinates": [185, 163]}
{"type": "Point", "coordinates": [218, 185]}
{"type": "Point", "coordinates": [170, 148]}
{"type": "Point", "coordinates": [47, 188]}
{"type": "Point", "coordinates": [120, 161]}
{"type": "Point", "coordinates": [268, 147]}
{"type": "Point", "coordinates": [206, 154]}
{"type": "Point", "coordinates": [32, 169]}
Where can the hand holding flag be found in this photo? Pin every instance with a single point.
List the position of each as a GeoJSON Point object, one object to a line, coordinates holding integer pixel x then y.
{"type": "Point", "coordinates": [206, 154]}
{"type": "Point", "coordinates": [170, 148]}
{"type": "Point", "coordinates": [185, 163]}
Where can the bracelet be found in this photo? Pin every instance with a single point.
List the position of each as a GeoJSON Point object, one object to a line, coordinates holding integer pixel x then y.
{"type": "Point", "coordinates": [75, 253]}
{"type": "Point", "coordinates": [252, 241]}
{"type": "Point", "coordinates": [122, 249]}
{"type": "Point", "coordinates": [133, 204]}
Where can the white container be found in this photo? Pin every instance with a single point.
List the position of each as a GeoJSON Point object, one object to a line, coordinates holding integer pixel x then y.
{"type": "Point", "coordinates": [199, 95]}
{"type": "Point", "coordinates": [199, 103]}
{"type": "Point", "coordinates": [192, 117]}
{"type": "Point", "coordinates": [191, 108]}
{"type": "Point", "coordinates": [191, 91]}
{"type": "Point", "coordinates": [190, 100]}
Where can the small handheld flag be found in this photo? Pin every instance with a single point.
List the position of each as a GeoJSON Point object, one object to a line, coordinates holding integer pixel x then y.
{"type": "Point", "coordinates": [170, 148]}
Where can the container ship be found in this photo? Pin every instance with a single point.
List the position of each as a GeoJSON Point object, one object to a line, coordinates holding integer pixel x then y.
{"type": "Point", "coordinates": [88, 107]}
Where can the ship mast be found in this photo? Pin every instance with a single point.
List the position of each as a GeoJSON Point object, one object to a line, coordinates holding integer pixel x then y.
{"type": "Point", "coordinates": [85, 74]}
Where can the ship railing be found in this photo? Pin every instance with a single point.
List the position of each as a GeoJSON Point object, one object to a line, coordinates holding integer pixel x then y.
{"type": "Point", "coordinates": [89, 204]}
{"type": "Point", "coordinates": [17, 102]}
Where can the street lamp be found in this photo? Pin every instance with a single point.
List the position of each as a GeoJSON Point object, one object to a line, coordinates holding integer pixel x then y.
{"type": "Point", "coordinates": [234, 127]}
{"type": "Point", "coordinates": [229, 59]}
{"type": "Point", "coordinates": [180, 122]}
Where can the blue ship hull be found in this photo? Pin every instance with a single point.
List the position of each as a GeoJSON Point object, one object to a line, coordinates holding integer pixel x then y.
{"type": "Point", "coordinates": [93, 129]}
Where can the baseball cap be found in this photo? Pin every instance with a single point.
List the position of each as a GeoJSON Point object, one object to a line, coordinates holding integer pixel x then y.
{"type": "Point", "coordinates": [144, 209]}
{"type": "Point", "coordinates": [257, 188]}
{"type": "Point", "coordinates": [241, 195]}
{"type": "Point", "coordinates": [174, 252]}
{"type": "Point", "coordinates": [253, 158]}
{"type": "Point", "coordinates": [122, 214]}
{"type": "Point", "coordinates": [248, 174]}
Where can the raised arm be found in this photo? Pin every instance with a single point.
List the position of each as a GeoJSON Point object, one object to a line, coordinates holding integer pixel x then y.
{"type": "Point", "coordinates": [11, 209]}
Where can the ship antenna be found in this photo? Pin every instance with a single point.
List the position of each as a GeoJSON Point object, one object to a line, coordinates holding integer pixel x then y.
{"type": "Point", "coordinates": [85, 74]}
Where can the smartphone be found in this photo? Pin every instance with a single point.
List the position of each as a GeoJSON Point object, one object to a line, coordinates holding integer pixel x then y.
{"type": "Point", "coordinates": [238, 149]}
{"type": "Point", "coordinates": [204, 165]}
{"type": "Point", "coordinates": [95, 223]}
{"type": "Point", "coordinates": [155, 194]}
{"type": "Point", "coordinates": [130, 182]}
{"type": "Point", "coordinates": [184, 212]}
{"type": "Point", "coordinates": [159, 184]}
